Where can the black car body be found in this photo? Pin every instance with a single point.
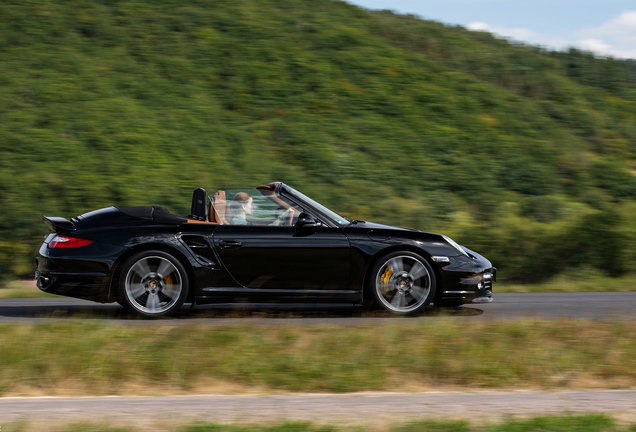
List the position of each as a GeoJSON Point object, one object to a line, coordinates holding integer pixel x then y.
{"type": "Point", "coordinates": [290, 249]}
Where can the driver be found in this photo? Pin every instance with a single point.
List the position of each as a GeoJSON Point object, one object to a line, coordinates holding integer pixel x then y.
{"type": "Point", "coordinates": [243, 206]}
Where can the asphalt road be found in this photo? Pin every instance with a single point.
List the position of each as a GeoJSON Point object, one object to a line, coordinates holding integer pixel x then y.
{"type": "Point", "coordinates": [362, 407]}
{"type": "Point", "coordinates": [595, 306]}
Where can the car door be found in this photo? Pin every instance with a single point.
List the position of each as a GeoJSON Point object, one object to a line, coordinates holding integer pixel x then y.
{"type": "Point", "coordinates": [305, 260]}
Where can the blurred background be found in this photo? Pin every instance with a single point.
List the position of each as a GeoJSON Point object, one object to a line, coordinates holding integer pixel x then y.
{"type": "Point", "coordinates": [521, 153]}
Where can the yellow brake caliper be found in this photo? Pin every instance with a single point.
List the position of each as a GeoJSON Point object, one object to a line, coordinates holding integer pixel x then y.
{"type": "Point", "coordinates": [168, 280]}
{"type": "Point", "coordinates": [386, 276]}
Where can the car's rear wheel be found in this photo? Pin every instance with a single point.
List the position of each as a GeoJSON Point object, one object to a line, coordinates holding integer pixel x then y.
{"type": "Point", "coordinates": [403, 283]}
{"type": "Point", "coordinates": [153, 283]}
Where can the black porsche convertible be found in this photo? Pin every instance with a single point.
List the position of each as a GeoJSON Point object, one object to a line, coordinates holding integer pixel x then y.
{"type": "Point", "coordinates": [265, 244]}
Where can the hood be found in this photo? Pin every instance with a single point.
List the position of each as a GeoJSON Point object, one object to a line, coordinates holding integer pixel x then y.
{"type": "Point", "coordinates": [377, 226]}
{"type": "Point", "coordinates": [408, 232]}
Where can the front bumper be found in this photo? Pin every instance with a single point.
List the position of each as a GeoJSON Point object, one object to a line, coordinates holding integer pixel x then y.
{"type": "Point", "coordinates": [472, 290]}
{"type": "Point", "coordinates": [487, 298]}
{"type": "Point", "coordinates": [467, 280]}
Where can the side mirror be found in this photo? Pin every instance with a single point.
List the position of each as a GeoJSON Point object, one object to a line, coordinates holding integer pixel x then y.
{"type": "Point", "coordinates": [305, 219]}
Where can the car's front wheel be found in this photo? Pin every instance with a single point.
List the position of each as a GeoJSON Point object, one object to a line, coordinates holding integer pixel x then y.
{"type": "Point", "coordinates": [403, 282]}
{"type": "Point", "coordinates": [153, 283]}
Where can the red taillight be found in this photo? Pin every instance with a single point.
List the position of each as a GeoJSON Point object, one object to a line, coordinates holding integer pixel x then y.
{"type": "Point", "coordinates": [62, 241]}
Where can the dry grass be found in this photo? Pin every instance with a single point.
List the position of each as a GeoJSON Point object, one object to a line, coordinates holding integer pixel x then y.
{"type": "Point", "coordinates": [91, 358]}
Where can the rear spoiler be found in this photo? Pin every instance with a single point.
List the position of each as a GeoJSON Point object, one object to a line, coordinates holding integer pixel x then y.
{"type": "Point", "coordinates": [57, 224]}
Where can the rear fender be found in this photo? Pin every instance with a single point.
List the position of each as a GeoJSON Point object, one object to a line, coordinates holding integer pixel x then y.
{"type": "Point", "coordinates": [185, 261]}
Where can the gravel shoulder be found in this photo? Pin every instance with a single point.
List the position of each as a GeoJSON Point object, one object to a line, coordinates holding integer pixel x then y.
{"type": "Point", "coordinates": [357, 407]}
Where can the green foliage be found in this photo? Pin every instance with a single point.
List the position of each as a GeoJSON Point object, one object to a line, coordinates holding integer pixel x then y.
{"type": "Point", "coordinates": [379, 116]}
{"type": "Point", "coordinates": [434, 426]}
{"type": "Point", "coordinates": [534, 251]}
{"type": "Point", "coordinates": [285, 427]}
{"type": "Point", "coordinates": [581, 423]}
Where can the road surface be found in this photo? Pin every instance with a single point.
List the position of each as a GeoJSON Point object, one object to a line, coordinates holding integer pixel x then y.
{"type": "Point", "coordinates": [595, 306]}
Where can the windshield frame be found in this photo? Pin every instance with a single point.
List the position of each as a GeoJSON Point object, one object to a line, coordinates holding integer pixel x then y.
{"type": "Point", "coordinates": [332, 218]}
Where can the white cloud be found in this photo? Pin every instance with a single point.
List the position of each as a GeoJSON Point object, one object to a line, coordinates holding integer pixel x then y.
{"type": "Point", "coordinates": [595, 45]}
{"type": "Point", "coordinates": [520, 34]}
{"type": "Point", "coordinates": [478, 26]}
{"type": "Point", "coordinates": [616, 37]}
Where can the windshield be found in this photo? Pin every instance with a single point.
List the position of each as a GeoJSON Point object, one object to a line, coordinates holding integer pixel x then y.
{"type": "Point", "coordinates": [340, 220]}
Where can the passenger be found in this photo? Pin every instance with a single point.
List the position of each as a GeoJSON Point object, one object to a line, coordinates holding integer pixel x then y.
{"type": "Point", "coordinates": [242, 206]}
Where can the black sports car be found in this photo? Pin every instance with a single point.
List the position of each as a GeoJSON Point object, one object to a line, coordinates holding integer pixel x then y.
{"type": "Point", "coordinates": [268, 244]}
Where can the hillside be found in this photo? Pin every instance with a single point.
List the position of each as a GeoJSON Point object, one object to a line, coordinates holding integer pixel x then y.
{"type": "Point", "coordinates": [525, 155]}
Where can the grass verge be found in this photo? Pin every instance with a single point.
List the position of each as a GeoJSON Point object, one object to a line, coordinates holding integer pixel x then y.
{"type": "Point", "coordinates": [95, 358]}
{"type": "Point", "coordinates": [563, 423]}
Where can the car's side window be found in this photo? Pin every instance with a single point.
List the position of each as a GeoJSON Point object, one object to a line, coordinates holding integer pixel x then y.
{"type": "Point", "coordinates": [247, 206]}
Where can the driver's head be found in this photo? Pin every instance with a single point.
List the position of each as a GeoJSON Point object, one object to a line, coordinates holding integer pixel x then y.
{"type": "Point", "coordinates": [243, 201]}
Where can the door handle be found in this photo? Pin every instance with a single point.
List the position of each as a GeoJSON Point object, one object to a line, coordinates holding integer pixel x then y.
{"type": "Point", "coordinates": [230, 244]}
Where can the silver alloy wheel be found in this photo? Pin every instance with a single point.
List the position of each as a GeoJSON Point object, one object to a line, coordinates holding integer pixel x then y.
{"type": "Point", "coordinates": [153, 285]}
{"type": "Point", "coordinates": [403, 283]}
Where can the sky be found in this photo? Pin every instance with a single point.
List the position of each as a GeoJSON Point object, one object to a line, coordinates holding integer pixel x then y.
{"type": "Point", "coordinates": [605, 27]}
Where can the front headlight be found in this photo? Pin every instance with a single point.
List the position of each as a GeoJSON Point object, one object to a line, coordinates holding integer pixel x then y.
{"type": "Point", "coordinates": [455, 245]}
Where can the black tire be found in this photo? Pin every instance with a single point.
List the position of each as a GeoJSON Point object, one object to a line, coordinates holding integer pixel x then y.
{"type": "Point", "coordinates": [153, 283]}
{"type": "Point", "coordinates": [402, 282]}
